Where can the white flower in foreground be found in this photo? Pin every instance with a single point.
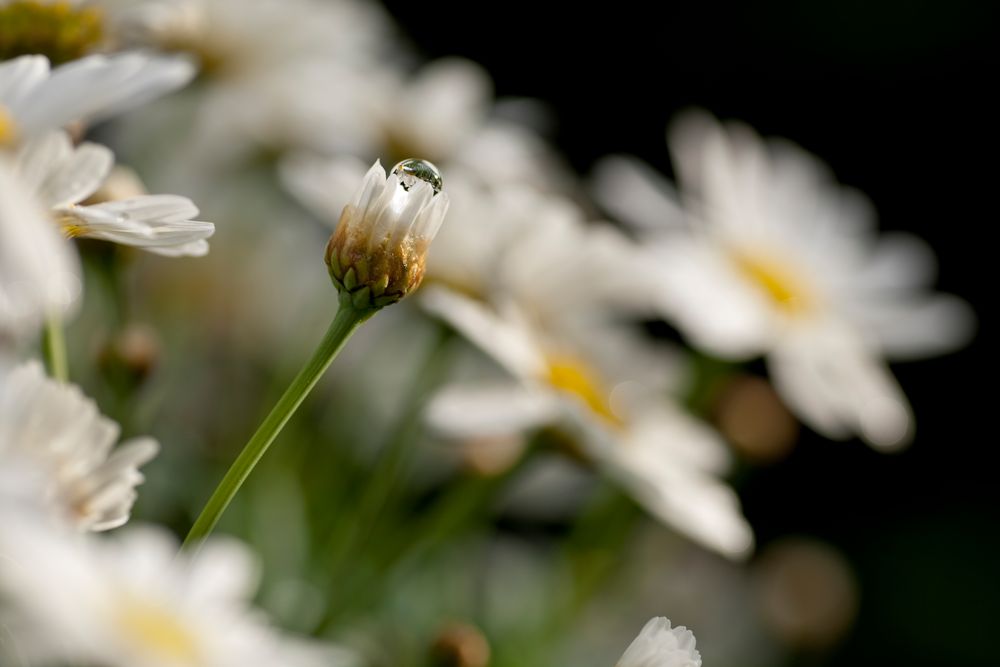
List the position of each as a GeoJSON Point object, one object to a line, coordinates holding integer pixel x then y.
{"type": "Point", "coordinates": [378, 252]}
{"type": "Point", "coordinates": [57, 437]}
{"type": "Point", "coordinates": [62, 176]}
{"type": "Point", "coordinates": [765, 254]}
{"type": "Point", "coordinates": [39, 271]}
{"type": "Point", "coordinates": [132, 601]}
{"type": "Point", "coordinates": [659, 645]}
{"type": "Point", "coordinates": [35, 99]}
{"type": "Point", "coordinates": [544, 322]}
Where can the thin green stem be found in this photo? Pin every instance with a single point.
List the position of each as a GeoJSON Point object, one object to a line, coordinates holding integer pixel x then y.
{"type": "Point", "coordinates": [55, 349]}
{"type": "Point", "coordinates": [344, 324]}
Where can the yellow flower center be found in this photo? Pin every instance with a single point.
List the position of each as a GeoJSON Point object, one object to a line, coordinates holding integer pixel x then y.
{"type": "Point", "coordinates": [8, 129]}
{"type": "Point", "coordinates": [158, 633]}
{"type": "Point", "coordinates": [59, 30]}
{"type": "Point", "coordinates": [786, 287]}
{"type": "Point", "coordinates": [572, 376]}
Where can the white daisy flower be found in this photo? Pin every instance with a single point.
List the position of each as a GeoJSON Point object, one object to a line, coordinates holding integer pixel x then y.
{"type": "Point", "coordinates": [35, 99]}
{"type": "Point", "coordinates": [39, 271]}
{"type": "Point", "coordinates": [62, 176]}
{"type": "Point", "coordinates": [58, 438]}
{"type": "Point", "coordinates": [132, 601]}
{"type": "Point", "coordinates": [765, 254]}
{"type": "Point", "coordinates": [659, 645]}
{"type": "Point", "coordinates": [543, 321]}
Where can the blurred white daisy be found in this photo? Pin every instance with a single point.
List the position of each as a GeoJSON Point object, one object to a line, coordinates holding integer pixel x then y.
{"type": "Point", "coordinates": [659, 645]}
{"type": "Point", "coordinates": [765, 254]}
{"type": "Point", "coordinates": [62, 176]}
{"type": "Point", "coordinates": [273, 73]}
{"type": "Point", "coordinates": [545, 322]}
{"type": "Point", "coordinates": [35, 98]}
{"type": "Point", "coordinates": [444, 112]}
{"type": "Point", "coordinates": [132, 601]}
{"type": "Point", "coordinates": [39, 271]}
{"type": "Point", "coordinates": [62, 447]}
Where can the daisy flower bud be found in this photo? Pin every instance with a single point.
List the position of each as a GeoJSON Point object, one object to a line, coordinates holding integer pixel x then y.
{"type": "Point", "coordinates": [378, 253]}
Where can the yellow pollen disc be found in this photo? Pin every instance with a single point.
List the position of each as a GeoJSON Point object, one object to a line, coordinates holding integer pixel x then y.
{"type": "Point", "coordinates": [8, 129]}
{"type": "Point", "coordinates": [570, 375]}
{"type": "Point", "coordinates": [786, 287]}
{"type": "Point", "coordinates": [158, 633]}
{"type": "Point", "coordinates": [60, 30]}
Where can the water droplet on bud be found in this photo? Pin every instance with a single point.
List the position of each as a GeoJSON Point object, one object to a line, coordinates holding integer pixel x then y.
{"type": "Point", "coordinates": [412, 169]}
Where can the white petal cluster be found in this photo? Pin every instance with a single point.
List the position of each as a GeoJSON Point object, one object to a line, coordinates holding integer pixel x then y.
{"type": "Point", "coordinates": [131, 601]}
{"type": "Point", "coordinates": [659, 645]}
{"type": "Point", "coordinates": [54, 436]}
{"type": "Point", "coordinates": [62, 176]}
{"type": "Point", "coordinates": [765, 254]}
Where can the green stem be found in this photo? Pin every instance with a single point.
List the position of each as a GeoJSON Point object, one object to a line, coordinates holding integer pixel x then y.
{"type": "Point", "coordinates": [55, 349]}
{"type": "Point", "coordinates": [344, 323]}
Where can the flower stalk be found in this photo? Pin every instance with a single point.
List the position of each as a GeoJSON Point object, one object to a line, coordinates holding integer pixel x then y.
{"type": "Point", "coordinates": [56, 357]}
{"type": "Point", "coordinates": [346, 321]}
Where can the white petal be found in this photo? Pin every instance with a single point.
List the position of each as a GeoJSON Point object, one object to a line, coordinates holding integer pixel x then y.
{"type": "Point", "coordinates": [98, 86]}
{"type": "Point", "coordinates": [60, 173]}
{"type": "Point", "coordinates": [510, 345]}
{"type": "Point", "coordinates": [20, 76]}
{"type": "Point", "coordinates": [637, 195]}
{"type": "Point", "coordinates": [839, 388]}
{"type": "Point", "coordinates": [324, 186]}
{"type": "Point", "coordinates": [156, 222]}
{"type": "Point", "coordinates": [490, 410]}
{"type": "Point", "coordinates": [39, 270]}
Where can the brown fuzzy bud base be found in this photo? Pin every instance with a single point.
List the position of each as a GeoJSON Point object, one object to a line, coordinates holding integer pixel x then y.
{"type": "Point", "coordinates": [373, 274]}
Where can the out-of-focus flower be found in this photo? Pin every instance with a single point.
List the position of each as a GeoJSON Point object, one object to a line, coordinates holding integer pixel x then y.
{"type": "Point", "coordinates": [597, 387]}
{"type": "Point", "coordinates": [39, 271]}
{"type": "Point", "coordinates": [132, 601]}
{"type": "Point", "coordinates": [659, 645]}
{"type": "Point", "coordinates": [274, 73]}
{"type": "Point", "coordinates": [769, 255]}
{"type": "Point", "coordinates": [35, 99]}
{"type": "Point", "coordinates": [62, 175]}
{"type": "Point", "coordinates": [57, 439]}
{"type": "Point", "coordinates": [378, 253]}
{"type": "Point", "coordinates": [544, 320]}
{"type": "Point", "coordinates": [445, 103]}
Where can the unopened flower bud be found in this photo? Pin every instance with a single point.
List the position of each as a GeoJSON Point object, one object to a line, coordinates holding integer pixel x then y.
{"type": "Point", "coordinates": [378, 253]}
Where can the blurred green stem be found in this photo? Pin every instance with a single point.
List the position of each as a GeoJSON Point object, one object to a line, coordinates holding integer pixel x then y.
{"type": "Point", "coordinates": [55, 349]}
{"type": "Point", "coordinates": [386, 471]}
{"type": "Point", "coordinates": [347, 320]}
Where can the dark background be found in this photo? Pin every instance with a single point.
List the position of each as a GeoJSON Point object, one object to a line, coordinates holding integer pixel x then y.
{"type": "Point", "coordinates": [893, 95]}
